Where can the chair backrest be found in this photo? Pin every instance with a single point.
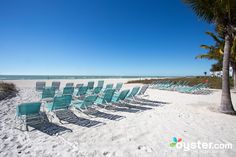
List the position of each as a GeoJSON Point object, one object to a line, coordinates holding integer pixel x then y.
{"type": "Point", "coordinates": [70, 84]}
{"type": "Point", "coordinates": [123, 95]}
{"type": "Point", "coordinates": [109, 86]}
{"type": "Point", "coordinates": [40, 86]}
{"type": "Point", "coordinates": [82, 90]}
{"type": "Point", "coordinates": [62, 102]}
{"type": "Point", "coordinates": [67, 99]}
{"type": "Point", "coordinates": [133, 92]}
{"type": "Point", "coordinates": [68, 91]}
{"type": "Point", "coordinates": [100, 83]}
{"type": "Point", "coordinates": [26, 109]}
{"type": "Point", "coordinates": [108, 94]}
{"type": "Point", "coordinates": [79, 85]}
{"type": "Point", "coordinates": [143, 89]}
{"type": "Point", "coordinates": [119, 86]}
{"type": "Point", "coordinates": [97, 90]}
{"type": "Point", "coordinates": [90, 84]}
{"type": "Point", "coordinates": [48, 92]}
{"type": "Point", "coordinates": [56, 85]}
{"type": "Point", "coordinates": [89, 101]}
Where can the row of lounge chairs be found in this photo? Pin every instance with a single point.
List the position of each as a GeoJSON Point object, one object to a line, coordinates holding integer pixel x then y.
{"type": "Point", "coordinates": [181, 86]}
{"type": "Point", "coordinates": [48, 93]}
{"type": "Point", "coordinates": [105, 98]}
{"type": "Point", "coordinates": [41, 85]}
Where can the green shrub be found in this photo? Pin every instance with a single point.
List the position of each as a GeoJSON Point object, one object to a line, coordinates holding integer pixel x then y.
{"type": "Point", "coordinates": [7, 89]}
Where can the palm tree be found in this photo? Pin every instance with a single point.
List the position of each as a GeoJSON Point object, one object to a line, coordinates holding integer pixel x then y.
{"type": "Point", "coordinates": [216, 53]}
{"type": "Point", "coordinates": [222, 13]}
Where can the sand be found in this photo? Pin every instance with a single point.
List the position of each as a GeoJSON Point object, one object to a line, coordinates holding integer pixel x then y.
{"type": "Point", "coordinates": [145, 133]}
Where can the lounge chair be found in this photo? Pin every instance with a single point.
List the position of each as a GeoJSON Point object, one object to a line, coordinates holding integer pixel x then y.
{"type": "Point", "coordinates": [136, 96]}
{"type": "Point", "coordinates": [109, 86]}
{"type": "Point", "coordinates": [197, 89]}
{"type": "Point", "coordinates": [143, 90]}
{"type": "Point", "coordinates": [40, 86]}
{"type": "Point", "coordinates": [133, 93]}
{"type": "Point", "coordinates": [48, 94]}
{"type": "Point", "coordinates": [121, 96]}
{"type": "Point", "coordinates": [68, 91]}
{"type": "Point", "coordinates": [82, 91]}
{"type": "Point", "coordinates": [130, 102]}
{"type": "Point", "coordinates": [97, 90]}
{"type": "Point", "coordinates": [100, 83]}
{"type": "Point", "coordinates": [118, 86]}
{"type": "Point", "coordinates": [79, 85]}
{"type": "Point", "coordinates": [59, 103]}
{"type": "Point", "coordinates": [106, 99]}
{"type": "Point", "coordinates": [56, 85]}
{"type": "Point", "coordinates": [115, 98]}
{"type": "Point", "coordinates": [84, 104]}
{"type": "Point", "coordinates": [70, 84]}
{"type": "Point", "coordinates": [28, 113]}
{"type": "Point", "coordinates": [90, 85]}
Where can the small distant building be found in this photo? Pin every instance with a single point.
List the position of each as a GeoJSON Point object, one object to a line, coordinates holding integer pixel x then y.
{"type": "Point", "coordinates": [220, 73]}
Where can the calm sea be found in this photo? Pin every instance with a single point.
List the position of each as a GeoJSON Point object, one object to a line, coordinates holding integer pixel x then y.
{"type": "Point", "coordinates": [50, 77]}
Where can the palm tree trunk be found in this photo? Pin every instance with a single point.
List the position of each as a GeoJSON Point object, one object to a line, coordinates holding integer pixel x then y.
{"type": "Point", "coordinates": [226, 105]}
{"type": "Point", "coordinates": [234, 74]}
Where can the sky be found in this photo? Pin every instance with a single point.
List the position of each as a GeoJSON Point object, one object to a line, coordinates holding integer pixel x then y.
{"type": "Point", "coordinates": [101, 37]}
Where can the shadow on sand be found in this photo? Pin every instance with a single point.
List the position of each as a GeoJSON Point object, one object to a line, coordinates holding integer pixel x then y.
{"type": "Point", "coordinates": [121, 109]}
{"type": "Point", "coordinates": [104, 115]}
{"type": "Point", "coordinates": [69, 117]}
{"type": "Point", "coordinates": [49, 128]}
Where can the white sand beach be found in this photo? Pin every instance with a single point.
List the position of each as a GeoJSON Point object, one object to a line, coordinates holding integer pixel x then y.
{"type": "Point", "coordinates": [147, 132]}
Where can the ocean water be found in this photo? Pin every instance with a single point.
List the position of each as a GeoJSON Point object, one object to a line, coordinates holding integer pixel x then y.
{"type": "Point", "coordinates": [53, 77]}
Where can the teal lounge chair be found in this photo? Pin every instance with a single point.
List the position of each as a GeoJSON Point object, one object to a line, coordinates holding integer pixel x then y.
{"type": "Point", "coordinates": [81, 92]}
{"type": "Point", "coordinates": [133, 93]}
{"type": "Point", "coordinates": [118, 86]}
{"type": "Point", "coordinates": [70, 84]}
{"type": "Point", "coordinates": [59, 103]}
{"type": "Point", "coordinates": [40, 86]}
{"type": "Point", "coordinates": [28, 113]}
{"type": "Point", "coordinates": [68, 91]}
{"type": "Point", "coordinates": [106, 98]}
{"type": "Point", "coordinates": [115, 99]}
{"type": "Point", "coordinates": [48, 94]}
{"type": "Point", "coordinates": [109, 86]}
{"type": "Point", "coordinates": [121, 96]}
{"type": "Point", "coordinates": [100, 83]}
{"type": "Point", "coordinates": [79, 85]}
{"type": "Point", "coordinates": [56, 85]}
{"type": "Point", "coordinates": [136, 96]}
{"type": "Point", "coordinates": [90, 85]}
{"type": "Point", "coordinates": [97, 90]}
{"type": "Point", "coordinates": [83, 105]}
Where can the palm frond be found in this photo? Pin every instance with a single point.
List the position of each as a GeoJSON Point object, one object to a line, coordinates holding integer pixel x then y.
{"type": "Point", "coordinates": [203, 8]}
{"type": "Point", "coordinates": [215, 37]}
{"type": "Point", "coordinates": [205, 47]}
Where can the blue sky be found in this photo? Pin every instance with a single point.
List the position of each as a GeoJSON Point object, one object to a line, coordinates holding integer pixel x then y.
{"type": "Point", "coordinates": [101, 37]}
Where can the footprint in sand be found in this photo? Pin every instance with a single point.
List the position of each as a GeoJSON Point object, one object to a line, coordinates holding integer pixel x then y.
{"type": "Point", "coordinates": [145, 148]}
